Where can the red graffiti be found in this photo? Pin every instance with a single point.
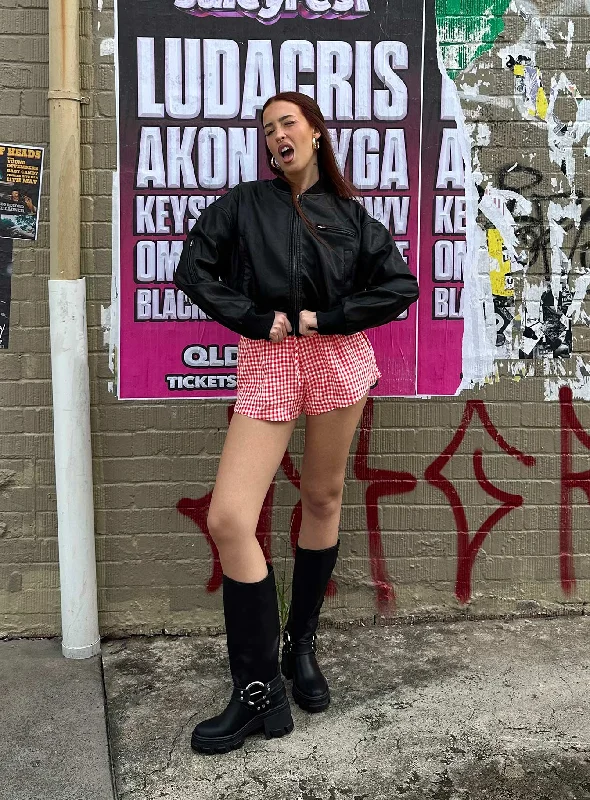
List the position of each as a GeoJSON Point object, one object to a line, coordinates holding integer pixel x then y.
{"type": "Point", "coordinates": [570, 480]}
{"type": "Point", "coordinates": [197, 510]}
{"type": "Point", "coordinates": [382, 483]}
{"type": "Point", "coordinates": [467, 549]}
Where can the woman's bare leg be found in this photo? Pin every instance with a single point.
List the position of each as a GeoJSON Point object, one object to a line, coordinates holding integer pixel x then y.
{"type": "Point", "coordinates": [327, 445]}
{"type": "Point", "coordinates": [251, 455]}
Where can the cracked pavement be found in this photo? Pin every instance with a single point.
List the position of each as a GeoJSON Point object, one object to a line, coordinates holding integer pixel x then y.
{"type": "Point", "coordinates": [494, 709]}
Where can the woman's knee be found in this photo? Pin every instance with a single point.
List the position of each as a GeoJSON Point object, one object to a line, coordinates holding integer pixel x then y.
{"type": "Point", "coordinates": [322, 501]}
{"type": "Point", "coordinates": [225, 526]}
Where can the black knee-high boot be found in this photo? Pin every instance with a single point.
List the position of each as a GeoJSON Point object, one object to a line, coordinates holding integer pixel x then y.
{"type": "Point", "coordinates": [259, 700]}
{"type": "Point", "coordinates": [311, 574]}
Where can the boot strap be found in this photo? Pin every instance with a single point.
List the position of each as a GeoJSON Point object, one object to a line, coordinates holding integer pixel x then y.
{"type": "Point", "coordinates": [299, 648]}
{"type": "Point", "coordinates": [257, 693]}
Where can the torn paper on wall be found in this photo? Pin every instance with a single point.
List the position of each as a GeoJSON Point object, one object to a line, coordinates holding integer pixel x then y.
{"type": "Point", "coordinates": [527, 226]}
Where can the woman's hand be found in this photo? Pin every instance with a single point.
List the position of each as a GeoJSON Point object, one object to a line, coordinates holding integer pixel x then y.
{"type": "Point", "coordinates": [308, 323]}
{"type": "Point", "coordinates": [281, 327]}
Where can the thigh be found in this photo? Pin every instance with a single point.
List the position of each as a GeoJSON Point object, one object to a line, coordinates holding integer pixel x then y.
{"type": "Point", "coordinates": [338, 372]}
{"type": "Point", "coordinates": [328, 438]}
{"type": "Point", "coordinates": [252, 452]}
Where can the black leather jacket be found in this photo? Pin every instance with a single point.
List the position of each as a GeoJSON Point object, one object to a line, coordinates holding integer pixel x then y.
{"type": "Point", "coordinates": [250, 254]}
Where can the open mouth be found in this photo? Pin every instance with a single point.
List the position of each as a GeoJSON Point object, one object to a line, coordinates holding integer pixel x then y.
{"type": "Point", "coordinates": [287, 153]}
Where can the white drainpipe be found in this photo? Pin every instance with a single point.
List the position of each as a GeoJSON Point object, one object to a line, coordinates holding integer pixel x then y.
{"type": "Point", "coordinates": [69, 346]}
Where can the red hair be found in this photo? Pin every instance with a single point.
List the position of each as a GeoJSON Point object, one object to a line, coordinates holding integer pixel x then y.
{"type": "Point", "coordinates": [328, 167]}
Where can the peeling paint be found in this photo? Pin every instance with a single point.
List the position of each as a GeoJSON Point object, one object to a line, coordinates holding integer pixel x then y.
{"type": "Point", "coordinates": [535, 31]}
{"type": "Point", "coordinates": [522, 275]}
{"type": "Point", "coordinates": [465, 35]}
{"type": "Point", "coordinates": [570, 38]}
{"type": "Point", "coordinates": [107, 47]}
{"type": "Point", "coordinates": [479, 326]}
{"type": "Point", "coordinates": [579, 384]}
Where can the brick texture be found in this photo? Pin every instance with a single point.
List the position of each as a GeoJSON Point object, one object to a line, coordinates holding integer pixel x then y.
{"type": "Point", "coordinates": [154, 564]}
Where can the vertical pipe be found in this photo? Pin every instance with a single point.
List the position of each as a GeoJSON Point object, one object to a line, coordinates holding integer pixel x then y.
{"type": "Point", "coordinates": [69, 348]}
{"type": "Point", "coordinates": [64, 137]}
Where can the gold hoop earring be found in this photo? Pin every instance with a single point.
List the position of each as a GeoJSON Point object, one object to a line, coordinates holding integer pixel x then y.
{"type": "Point", "coordinates": [315, 143]}
{"type": "Point", "coordinates": [273, 161]}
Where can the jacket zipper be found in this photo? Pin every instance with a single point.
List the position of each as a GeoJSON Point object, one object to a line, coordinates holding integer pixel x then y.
{"type": "Point", "coordinates": [188, 257]}
{"type": "Point", "coordinates": [295, 268]}
{"type": "Point", "coordinates": [344, 231]}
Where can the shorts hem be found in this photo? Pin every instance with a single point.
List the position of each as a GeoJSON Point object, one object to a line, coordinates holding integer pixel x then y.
{"type": "Point", "coordinates": [337, 405]}
{"type": "Point", "coordinates": [258, 415]}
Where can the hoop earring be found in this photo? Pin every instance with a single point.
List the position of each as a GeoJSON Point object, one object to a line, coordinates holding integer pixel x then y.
{"type": "Point", "coordinates": [315, 143]}
{"type": "Point", "coordinates": [273, 161]}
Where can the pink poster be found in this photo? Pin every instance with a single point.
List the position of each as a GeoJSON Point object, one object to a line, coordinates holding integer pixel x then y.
{"type": "Point", "coordinates": [192, 81]}
{"type": "Point", "coordinates": [442, 237]}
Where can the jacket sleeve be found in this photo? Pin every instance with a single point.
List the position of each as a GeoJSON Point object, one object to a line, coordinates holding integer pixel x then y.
{"type": "Point", "coordinates": [389, 286]}
{"type": "Point", "coordinates": [203, 266]}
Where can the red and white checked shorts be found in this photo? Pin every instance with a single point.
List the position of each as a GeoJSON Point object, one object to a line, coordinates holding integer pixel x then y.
{"type": "Point", "coordinates": [312, 374]}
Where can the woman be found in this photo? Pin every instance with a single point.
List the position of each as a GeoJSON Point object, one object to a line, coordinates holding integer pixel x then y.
{"type": "Point", "coordinates": [299, 269]}
{"type": "Point", "coordinates": [30, 207]}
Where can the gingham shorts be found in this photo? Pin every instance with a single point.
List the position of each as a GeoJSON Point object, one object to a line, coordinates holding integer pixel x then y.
{"type": "Point", "coordinates": [310, 374]}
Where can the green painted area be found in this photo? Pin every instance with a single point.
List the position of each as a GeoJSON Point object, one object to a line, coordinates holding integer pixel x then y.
{"type": "Point", "coordinates": [466, 29]}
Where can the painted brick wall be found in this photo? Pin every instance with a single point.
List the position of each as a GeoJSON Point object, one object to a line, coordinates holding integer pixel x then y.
{"type": "Point", "coordinates": [404, 553]}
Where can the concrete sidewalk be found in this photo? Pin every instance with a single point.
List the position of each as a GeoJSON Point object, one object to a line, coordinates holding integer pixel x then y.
{"type": "Point", "coordinates": [482, 710]}
{"type": "Point", "coordinates": [462, 711]}
{"type": "Point", "coordinates": [53, 739]}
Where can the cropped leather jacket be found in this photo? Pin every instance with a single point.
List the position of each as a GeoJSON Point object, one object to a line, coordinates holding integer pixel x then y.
{"type": "Point", "coordinates": [250, 254]}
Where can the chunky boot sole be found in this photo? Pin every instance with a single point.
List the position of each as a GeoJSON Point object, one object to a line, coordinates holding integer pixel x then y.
{"type": "Point", "coordinates": [312, 704]}
{"type": "Point", "coordinates": [276, 723]}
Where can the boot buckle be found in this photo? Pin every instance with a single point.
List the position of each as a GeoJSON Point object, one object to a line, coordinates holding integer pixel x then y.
{"type": "Point", "coordinates": [287, 643]}
{"type": "Point", "coordinates": [256, 695]}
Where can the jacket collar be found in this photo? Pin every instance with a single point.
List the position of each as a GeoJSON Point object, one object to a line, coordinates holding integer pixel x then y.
{"type": "Point", "coordinates": [319, 187]}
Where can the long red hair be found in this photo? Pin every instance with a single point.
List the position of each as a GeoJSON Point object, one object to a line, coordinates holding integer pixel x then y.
{"type": "Point", "coordinates": [327, 165]}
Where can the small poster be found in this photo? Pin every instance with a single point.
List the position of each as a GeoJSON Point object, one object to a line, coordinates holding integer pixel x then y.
{"type": "Point", "coordinates": [5, 274]}
{"type": "Point", "coordinates": [21, 168]}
